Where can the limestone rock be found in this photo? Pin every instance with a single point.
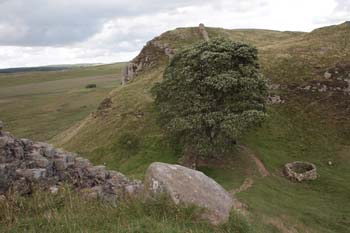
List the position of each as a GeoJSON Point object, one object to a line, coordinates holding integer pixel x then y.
{"type": "Point", "coordinates": [203, 32]}
{"type": "Point", "coordinates": [190, 187]}
{"type": "Point", "coordinates": [327, 75]}
{"type": "Point", "coordinates": [275, 99]}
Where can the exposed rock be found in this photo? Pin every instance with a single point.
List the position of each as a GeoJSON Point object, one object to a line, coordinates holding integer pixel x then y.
{"type": "Point", "coordinates": [275, 99]}
{"type": "Point", "coordinates": [1, 126]}
{"type": "Point", "coordinates": [25, 164]}
{"type": "Point", "coordinates": [327, 75]}
{"type": "Point", "coordinates": [151, 54]}
{"type": "Point", "coordinates": [203, 32]}
{"type": "Point", "coordinates": [300, 171]}
{"type": "Point", "coordinates": [274, 86]}
{"type": "Point", "coordinates": [189, 187]}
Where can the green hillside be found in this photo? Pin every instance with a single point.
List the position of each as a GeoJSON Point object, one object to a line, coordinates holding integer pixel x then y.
{"type": "Point", "coordinates": [39, 105]}
{"type": "Point", "coordinates": [311, 125]}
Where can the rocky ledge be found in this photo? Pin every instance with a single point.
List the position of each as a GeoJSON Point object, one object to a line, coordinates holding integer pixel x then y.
{"type": "Point", "coordinates": [25, 164]}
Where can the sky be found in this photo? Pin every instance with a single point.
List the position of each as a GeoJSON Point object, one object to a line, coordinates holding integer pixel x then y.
{"type": "Point", "coordinates": [45, 32]}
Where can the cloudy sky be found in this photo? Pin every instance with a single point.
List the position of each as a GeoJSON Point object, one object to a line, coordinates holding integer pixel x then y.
{"type": "Point", "coordinates": [42, 32]}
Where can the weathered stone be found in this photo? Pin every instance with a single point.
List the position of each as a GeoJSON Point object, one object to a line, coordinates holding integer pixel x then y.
{"type": "Point", "coordinates": [32, 174]}
{"type": "Point", "coordinates": [275, 99]}
{"type": "Point", "coordinates": [21, 186]}
{"type": "Point", "coordinates": [23, 163]}
{"type": "Point", "coordinates": [1, 126]}
{"type": "Point", "coordinates": [274, 86]}
{"type": "Point", "coordinates": [300, 171]}
{"type": "Point", "coordinates": [92, 193]}
{"type": "Point", "coordinates": [188, 186]}
{"type": "Point", "coordinates": [60, 163]}
{"type": "Point", "coordinates": [327, 75]}
{"type": "Point", "coordinates": [7, 175]}
{"type": "Point", "coordinates": [53, 189]}
{"type": "Point", "coordinates": [42, 162]}
{"type": "Point", "coordinates": [203, 32]}
{"type": "Point", "coordinates": [82, 163]}
{"type": "Point", "coordinates": [134, 190]}
{"type": "Point", "coordinates": [98, 172]}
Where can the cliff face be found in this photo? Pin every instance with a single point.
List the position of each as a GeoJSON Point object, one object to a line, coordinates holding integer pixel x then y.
{"type": "Point", "coordinates": [154, 52]}
{"type": "Point", "coordinates": [150, 56]}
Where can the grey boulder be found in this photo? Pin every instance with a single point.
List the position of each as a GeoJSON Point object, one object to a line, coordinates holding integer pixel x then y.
{"type": "Point", "coordinates": [189, 187]}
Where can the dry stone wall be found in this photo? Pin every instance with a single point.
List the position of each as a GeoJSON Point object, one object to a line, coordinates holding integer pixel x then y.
{"type": "Point", "coordinates": [25, 164]}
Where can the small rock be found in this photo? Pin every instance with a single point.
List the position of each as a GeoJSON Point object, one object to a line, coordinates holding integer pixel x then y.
{"type": "Point", "coordinates": [327, 75]}
{"type": "Point", "coordinates": [330, 163]}
{"type": "Point", "coordinates": [307, 88]}
{"type": "Point", "coordinates": [53, 189]}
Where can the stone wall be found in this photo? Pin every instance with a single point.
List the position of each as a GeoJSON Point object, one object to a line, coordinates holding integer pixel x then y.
{"type": "Point", "coordinates": [25, 164]}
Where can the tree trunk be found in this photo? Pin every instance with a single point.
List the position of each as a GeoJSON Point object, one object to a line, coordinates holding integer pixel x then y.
{"type": "Point", "coordinates": [189, 159]}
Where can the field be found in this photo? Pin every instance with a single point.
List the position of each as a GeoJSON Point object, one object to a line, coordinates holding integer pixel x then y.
{"type": "Point", "coordinates": [39, 105]}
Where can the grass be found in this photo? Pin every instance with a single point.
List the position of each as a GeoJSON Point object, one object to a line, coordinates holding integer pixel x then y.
{"type": "Point", "coordinates": [307, 127]}
{"type": "Point", "coordinates": [67, 211]}
{"type": "Point", "coordinates": [39, 105]}
{"type": "Point", "coordinates": [321, 205]}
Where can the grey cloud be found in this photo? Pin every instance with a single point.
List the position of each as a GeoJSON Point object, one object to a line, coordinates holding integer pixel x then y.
{"type": "Point", "coordinates": [61, 22]}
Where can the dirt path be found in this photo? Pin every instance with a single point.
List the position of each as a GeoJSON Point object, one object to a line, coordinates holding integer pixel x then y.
{"type": "Point", "coordinates": [248, 182]}
{"type": "Point", "coordinates": [261, 167]}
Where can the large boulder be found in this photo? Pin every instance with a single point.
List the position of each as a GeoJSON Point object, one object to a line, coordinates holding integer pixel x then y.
{"type": "Point", "coordinates": [189, 187]}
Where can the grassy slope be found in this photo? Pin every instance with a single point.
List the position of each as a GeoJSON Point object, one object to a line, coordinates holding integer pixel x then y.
{"type": "Point", "coordinates": [68, 212]}
{"type": "Point", "coordinates": [294, 131]}
{"type": "Point", "coordinates": [39, 105]}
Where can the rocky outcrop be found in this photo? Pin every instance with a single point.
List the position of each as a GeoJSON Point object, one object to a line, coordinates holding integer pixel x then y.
{"type": "Point", "coordinates": [25, 164]}
{"type": "Point", "coordinates": [203, 32]}
{"type": "Point", "coordinates": [151, 54]}
{"type": "Point", "coordinates": [189, 187]}
{"type": "Point", "coordinates": [274, 99]}
{"type": "Point", "coordinates": [335, 79]}
{"type": "Point", "coordinates": [300, 171]}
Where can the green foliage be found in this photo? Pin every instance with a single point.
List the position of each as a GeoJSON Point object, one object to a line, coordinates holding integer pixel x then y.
{"type": "Point", "coordinates": [91, 85]}
{"type": "Point", "coordinates": [211, 94]}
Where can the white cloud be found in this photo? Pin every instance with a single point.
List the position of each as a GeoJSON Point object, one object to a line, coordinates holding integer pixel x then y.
{"type": "Point", "coordinates": [81, 31]}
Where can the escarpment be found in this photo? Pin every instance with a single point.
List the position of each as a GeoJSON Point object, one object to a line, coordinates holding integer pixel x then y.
{"type": "Point", "coordinates": [154, 52]}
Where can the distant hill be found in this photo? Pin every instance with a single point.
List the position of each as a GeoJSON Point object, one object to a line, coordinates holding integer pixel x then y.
{"type": "Point", "coordinates": [45, 68]}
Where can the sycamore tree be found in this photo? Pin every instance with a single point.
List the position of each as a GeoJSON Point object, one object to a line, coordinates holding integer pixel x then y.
{"type": "Point", "coordinates": [211, 94]}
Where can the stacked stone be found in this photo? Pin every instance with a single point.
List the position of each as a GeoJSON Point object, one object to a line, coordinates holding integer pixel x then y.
{"type": "Point", "coordinates": [25, 164]}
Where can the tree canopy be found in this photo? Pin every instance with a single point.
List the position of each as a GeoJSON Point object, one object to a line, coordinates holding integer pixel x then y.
{"type": "Point", "coordinates": [211, 94]}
